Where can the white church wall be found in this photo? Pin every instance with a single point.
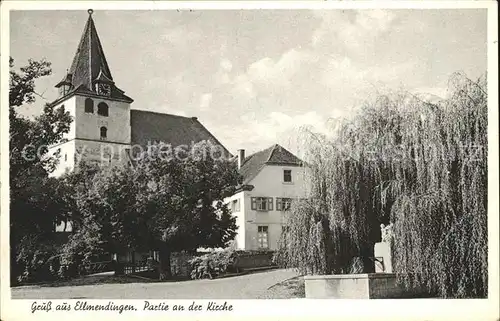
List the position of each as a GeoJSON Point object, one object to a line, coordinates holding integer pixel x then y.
{"type": "Point", "coordinates": [66, 157]}
{"type": "Point", "coordinates": [117, 122]}
{"type": "Point", "coordinates": [100, 151]}
{"type": "Point", "coordinates": [70, 106]}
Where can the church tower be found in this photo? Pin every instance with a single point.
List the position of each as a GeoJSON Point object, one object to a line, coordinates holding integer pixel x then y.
{"type": "Point", "coordinates": [100, 130]}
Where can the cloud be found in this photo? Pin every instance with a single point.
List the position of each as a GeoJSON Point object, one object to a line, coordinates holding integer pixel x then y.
{"type": "Point", "coordinates": [267, 71]}
{"type": "Point", "coordinates": [375, 20]}
{"type": "Point", "coordinates": [269, 77]}
{"type": "Point", "coordinates": [254, 132]}
{"type": "Point", "coordinates": [346, 59]}
{"type": "Point", "coordinates": [180, 36]}
{"type": "Point", "coordinates": [355, 76]}
{"type": "Point", "coordinates": [222, 76]}
{"type": "Point", "coordinates": [279, 126]}
{"type": "Point", "coordinates": [226, 64]}
{"type": "Point", "coordinates": [205, 101]}
{"type": "Point", "coordinates": [354, 30]}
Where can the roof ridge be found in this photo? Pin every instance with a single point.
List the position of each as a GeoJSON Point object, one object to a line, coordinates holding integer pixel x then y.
{"type": "Point", "coordinates": [195, 119]}
{"type": "Point", "coordinates": [271, 153]}
{"type": "Point", "coordinates": [160, 113]}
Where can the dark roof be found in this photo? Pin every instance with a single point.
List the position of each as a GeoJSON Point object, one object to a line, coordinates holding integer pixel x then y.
{"type": "Point", "coordinates": [89, 65]}
{"type": "Point", "coordinates": [274, 155]}
{"type": "Point", "coordinates": [151, 127]}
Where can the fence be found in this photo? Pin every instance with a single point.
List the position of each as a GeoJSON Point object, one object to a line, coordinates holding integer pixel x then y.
{"type": "Point", "coordinates": [129, 268]}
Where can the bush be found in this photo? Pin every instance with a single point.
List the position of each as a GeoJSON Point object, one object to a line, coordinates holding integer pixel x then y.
{"type": "Point", "coordinates": [213, 264]}
{"type": "Point", "coordinates": [36, 260]}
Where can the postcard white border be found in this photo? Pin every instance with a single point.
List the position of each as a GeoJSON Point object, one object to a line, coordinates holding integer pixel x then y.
{"type": "Point", "coordinates": [416, 309]}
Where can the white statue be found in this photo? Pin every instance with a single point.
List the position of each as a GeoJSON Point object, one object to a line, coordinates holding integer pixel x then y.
{"type": "Point", "coordinates": [386, 232]}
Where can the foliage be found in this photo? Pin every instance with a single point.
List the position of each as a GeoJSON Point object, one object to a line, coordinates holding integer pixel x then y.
{"type": "Point", "coordinates": [165, 204]}
{"type": "Point", "coordinates": [38, 259]}
{"type": "Point", "coordinates": [29, 138]}
{"type": "Point", "coordinates": [213, 264]}
{"type": "Point", "coordinates": [421, 166]}
{"type": "Point", "coordinates": [183, 200]}
{"type": "Point", "coordinates": [35, 205]}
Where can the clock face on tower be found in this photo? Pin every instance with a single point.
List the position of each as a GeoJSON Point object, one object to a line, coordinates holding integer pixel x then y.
{"type": "Point", "coordinates": [104, 89]}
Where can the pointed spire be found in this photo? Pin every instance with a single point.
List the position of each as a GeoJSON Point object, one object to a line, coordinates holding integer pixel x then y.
{"type": "Point", "coordinates": [89, 59]}
{"type": "Point", "coordinates": [89, 63]}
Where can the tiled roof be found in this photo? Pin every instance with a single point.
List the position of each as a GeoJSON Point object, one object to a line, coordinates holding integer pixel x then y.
{"type": "Point", "coordinates": [89, 65]}
{"type": "Point", "coordinates": [274, 155]}
{"type": "Point", "coordinates": [150, 128]}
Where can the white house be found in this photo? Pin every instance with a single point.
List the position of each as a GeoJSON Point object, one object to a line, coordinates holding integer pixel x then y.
{"type": "Point", "coordinates": [272, 179]}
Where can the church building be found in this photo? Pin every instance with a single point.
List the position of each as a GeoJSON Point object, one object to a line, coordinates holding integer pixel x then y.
{"type": "Point", "coordinates": [105, 128]}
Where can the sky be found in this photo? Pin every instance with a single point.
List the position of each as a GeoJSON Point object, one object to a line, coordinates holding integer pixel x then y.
{"type": "Point", "coordinates": [256, 77]}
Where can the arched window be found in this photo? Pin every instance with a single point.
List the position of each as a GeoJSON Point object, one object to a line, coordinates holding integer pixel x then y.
{"type": "Point", "coordinates": [89, 106]}
{"type": "Point", "coordinates": [104, 132]}
{"type": "Point", "coordinates": [102, 109]}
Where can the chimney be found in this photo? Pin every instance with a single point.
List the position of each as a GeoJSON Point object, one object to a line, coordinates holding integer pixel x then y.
{"type": "Point", "coordinates": [241, 157]}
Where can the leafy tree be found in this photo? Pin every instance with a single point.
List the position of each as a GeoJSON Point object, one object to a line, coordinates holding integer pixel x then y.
{"type": "Point", "coordinates": [163, 203]}
{"type": "Point", "coordinates": [34, 205]}
{"type": "Point", "coordinates": [106, 219]}
{"type": "Point", "coordinates": [186, 201]}
{"type": "Point", "coordinates": [421, 166]}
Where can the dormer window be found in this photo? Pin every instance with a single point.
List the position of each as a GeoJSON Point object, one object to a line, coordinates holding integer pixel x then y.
{"type": "Point", "coordinates": [104, 133]}
{"type": "Point", "coordinates": [102, 109]}
{"type": "Point", "coordinates": [64, 89]}
{"type": "Point", "coordinates": [89, 106]}
{"type": "Point", "coordinates": [64, 85]}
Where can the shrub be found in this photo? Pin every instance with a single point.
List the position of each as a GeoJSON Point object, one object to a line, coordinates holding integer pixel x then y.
{"type": "Point", "coordinates": [37, 260]}
{"type": "Point", "coordinates": [213, 264]}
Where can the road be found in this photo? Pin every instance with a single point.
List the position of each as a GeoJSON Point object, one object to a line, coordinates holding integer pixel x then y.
{"type": "Point", "coordinates": [249, 286]}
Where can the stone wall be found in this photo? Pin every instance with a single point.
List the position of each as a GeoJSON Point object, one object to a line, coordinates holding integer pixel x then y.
{"type": "Point", "coordinates": [357, 286]}
{"type": "Point", "coordinates": [251, 260]}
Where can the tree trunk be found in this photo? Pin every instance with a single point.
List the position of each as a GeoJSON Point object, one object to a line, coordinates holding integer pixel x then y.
{"type": "Point", "coordinates": [133, 261]}
{"type": "Point", "coordinates": [118, 266]}
{"type": "Point", "coordinates": [164, 266]}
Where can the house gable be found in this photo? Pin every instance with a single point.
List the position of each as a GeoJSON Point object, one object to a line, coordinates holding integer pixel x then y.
{"type": "Point", "coordinates": [274, 155]}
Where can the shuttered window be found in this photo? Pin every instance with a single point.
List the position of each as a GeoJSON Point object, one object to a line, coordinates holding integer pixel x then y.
{"type": "Point", "coordinates": [283, 204]}
{"type": "Point", "coordinates": [262, 203]}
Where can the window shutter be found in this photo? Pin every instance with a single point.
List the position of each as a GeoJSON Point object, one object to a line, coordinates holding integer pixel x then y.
{"type": "Point", "coordinates": [270, 203]}
{"type": "Point", "coordinates": [254, 203]}
{"type": "Point", "coordinates": [278, 204]}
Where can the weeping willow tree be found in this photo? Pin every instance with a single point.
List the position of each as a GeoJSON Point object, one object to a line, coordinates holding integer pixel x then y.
{"type": "Point", "coordinates": [403, 160]}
